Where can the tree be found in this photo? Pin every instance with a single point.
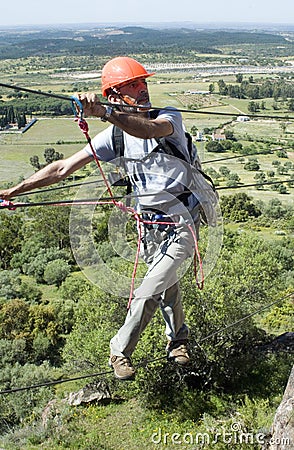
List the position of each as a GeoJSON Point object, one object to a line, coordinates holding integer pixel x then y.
{"type": "Point", "coordinates": [9, 284]}
{"type": "Point", "coordinates": [41, 261]}
{"type": "Point", "coordinates": [239, 77]}
{"type": "Point", "coordinates": [234, 177]}
{"type": "Point", "coordinates": [238, 207]}
{"type": "Point", "coordinates": [21, 120]}
{"type": "Point", "coordinates": [252, 107]}
{"type": "Point", "coordinates": [276, 163]}
{"type": "Point", "coordinates": [211, 88]}
{"type": "Point", "coordinates": [282, 153]}
{"type": "Point", "coordinates": [252, 164]}
{"type": "Point", "coordinates": [291, 104]}
{"type": "Point", "coordinates": [56, 272]}
{"type": "Point", "coordinates": [50, 155]}
{"type": "Point", "coordinates": [11, 237]}
{"type": "Point", "coordinates": [194, 130]}
{"type": "Point", "coordinates": [50, 226]}
{"type": "Point", "coordinates": [282, 189]}
{"type": "Point", "coordinates": [230, 135]}
{"type": "Point", "coordinates": [224, 171]}
{"type": "Point", "coordinates": [223, 89]}
{"type": "Point", "coordinates": [214, 146]}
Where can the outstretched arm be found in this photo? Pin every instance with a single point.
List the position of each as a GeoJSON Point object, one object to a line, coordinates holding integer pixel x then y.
{"type": "Point", "coordinates": [53, 173]}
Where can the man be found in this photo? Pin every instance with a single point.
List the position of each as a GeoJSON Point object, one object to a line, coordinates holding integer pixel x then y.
{"type": "Point", "coordinates": [152, 172]}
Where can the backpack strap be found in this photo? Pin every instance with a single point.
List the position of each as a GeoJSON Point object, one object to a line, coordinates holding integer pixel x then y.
{"type": "Point", "coordinates": [208, 178]}
{"type": "Point", "coordinates": [118, 141]}
{"type": "Point", "coordinates": [168, 148]}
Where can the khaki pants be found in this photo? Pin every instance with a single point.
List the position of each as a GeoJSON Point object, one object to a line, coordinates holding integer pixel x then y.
{"type": "Point", "coordinates": [164, 252]}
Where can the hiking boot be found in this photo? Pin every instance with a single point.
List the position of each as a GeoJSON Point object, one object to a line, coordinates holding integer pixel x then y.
{"type": "Point", "coordinates": [177, 351]}
{"type": "Point", "coordinates": [122, 366]}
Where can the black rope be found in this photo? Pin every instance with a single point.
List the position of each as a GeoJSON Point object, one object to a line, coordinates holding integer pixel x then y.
{"type": "Point", "coordinates": [232, 157]}
{"type": "Point", "coordinates": [146, 362]}
{"type": "Point", "coordinates": [52, 383]}
{"type": "Point", "coordinates": [66, 186]}
{"type": "Point", "coordinates": [34, 91]}
{"type": "Point", "coordinates": [255, 184]}
{"type": "Point", "coordinates": [193, 111]}
{"type": "Point", "coordinates": [119, 197]}
{"type": "Point", "coordinates": [245, 318]}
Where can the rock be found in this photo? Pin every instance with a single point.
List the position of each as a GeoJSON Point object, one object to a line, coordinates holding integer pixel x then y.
{"type": "Point", "coordinates": [284, 342]}
{"type": "Point", "coordinates": [282, 431]}
{"type": "Point", "coordinates": [94, 392]}
{"type": "Point", "coordinates": [52, 413]}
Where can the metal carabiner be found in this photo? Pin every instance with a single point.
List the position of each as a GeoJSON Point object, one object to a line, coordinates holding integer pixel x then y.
{"type": "Point", "coordinates": [77, 107]}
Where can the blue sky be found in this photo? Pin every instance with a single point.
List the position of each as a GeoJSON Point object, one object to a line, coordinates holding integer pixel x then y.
{"type": "Point", "coordinates": [27, 12]}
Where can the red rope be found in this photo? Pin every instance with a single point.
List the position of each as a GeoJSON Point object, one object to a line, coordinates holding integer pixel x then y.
{"type": "Point", "coordinates": [137, 217]}
{"type": "Point", "coordinates": [85, 128]}
{"type": "Point", "coordinates": [7, 204]}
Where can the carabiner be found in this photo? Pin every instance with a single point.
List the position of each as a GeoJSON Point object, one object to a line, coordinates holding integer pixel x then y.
{"type": "Point", "coordinates": [77, 107]}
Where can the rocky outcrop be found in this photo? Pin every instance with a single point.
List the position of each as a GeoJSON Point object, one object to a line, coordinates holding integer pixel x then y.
{"type": "Point", "coordinates": [282, 431]}
{"type": "Point", "coordinates": [92, 393]}
{"type": "Point", "coordinates": [95, 392]}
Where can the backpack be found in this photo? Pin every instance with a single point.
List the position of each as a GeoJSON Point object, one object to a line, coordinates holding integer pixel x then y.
{"type": "Point", "coordinates": [164, 146]}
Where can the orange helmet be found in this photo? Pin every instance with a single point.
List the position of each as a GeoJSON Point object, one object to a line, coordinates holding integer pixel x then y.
{"type": "Point", "coordinates": [121, 70]}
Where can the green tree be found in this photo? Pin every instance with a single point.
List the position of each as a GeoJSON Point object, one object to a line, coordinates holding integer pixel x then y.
{"type": "Point", "coordinates": [211, 88]}
{"type": "Point", "coordinates": [239, 77]}
{"type": "Point", "coordinates": [214, 146]}
{"type": "Point", "coordinates": [291, 104]}
{"type": "Point", "coordinates": [282, 153]}
{"type": "Point", "coordinates": [9, 284]}
{"type": "Point", "coordinates": [39, 264]}
{"type": "Point", "coordinates": [35, 162]}
{"type": "Point", "coordinates": [252, 164]}
{"type": "Point", "coordinates": [11, 237]}
{"type": "Point", "coordinates": [56, 272]}
{"type": "Point", "coordinates": [50, 155]}
{"type": "Point", "coordinates": [239, 207]}
{"type": "Point", "coordinates": [50, 226]}
{"type": "Point", "coordinates": [224, 171]}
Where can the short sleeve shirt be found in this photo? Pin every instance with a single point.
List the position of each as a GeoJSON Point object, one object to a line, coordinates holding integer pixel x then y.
{"type": "Point", "coordinates": [156, 177]}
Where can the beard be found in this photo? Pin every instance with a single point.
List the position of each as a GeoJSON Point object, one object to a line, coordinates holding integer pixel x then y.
{"type": "Point", "coordinates": [140, 105]}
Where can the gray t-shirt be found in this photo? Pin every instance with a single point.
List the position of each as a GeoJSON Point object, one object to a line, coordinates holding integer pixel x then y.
{"type": "Point", "coordinates": [162, 176]}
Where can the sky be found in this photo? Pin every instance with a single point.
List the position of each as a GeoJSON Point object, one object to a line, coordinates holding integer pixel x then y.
{"type": "Point", "coordinates": [37, 12]}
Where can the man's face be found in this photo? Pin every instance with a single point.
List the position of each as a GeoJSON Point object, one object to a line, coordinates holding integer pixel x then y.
{"type": "Point", "coordinates": [135, 93]}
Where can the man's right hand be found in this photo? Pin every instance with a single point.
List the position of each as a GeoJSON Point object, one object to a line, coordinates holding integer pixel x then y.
{"type": "Point", "coordinates": [91, 104]}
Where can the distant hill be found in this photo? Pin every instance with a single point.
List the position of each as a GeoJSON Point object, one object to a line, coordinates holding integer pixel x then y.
{"type": "Point", "coordinates": [16, 43]}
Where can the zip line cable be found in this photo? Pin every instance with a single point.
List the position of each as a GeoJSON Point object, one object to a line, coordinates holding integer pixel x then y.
{"type": "Point", "coordinates": [255, 184]}
{"type": "Point", "coordinates": [245, 318]}
{"type": "Point", "coordinates": [232, 157]}
{"type": "Point", "coordinates": [142, 363]}
{"type": "Point", "coordinates": [98, 182]}
{"type": "Point", "coordinates": [57, 188]}
{"type": "Point", "coordinates": [90, 201]}
{"type": "Point", "coordinates": [193, 111]}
